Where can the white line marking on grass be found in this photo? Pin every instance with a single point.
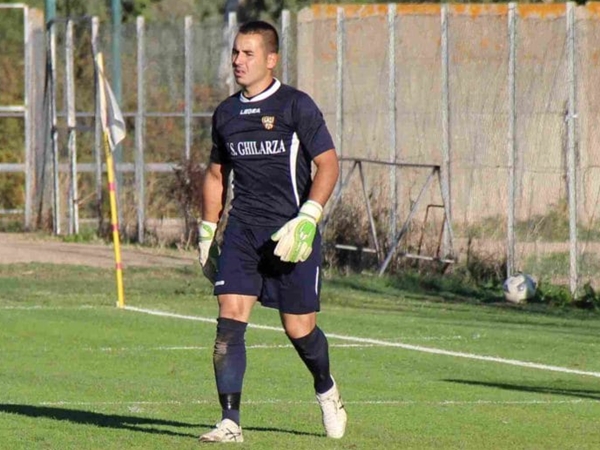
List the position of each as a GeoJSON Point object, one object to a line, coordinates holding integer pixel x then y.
{"type": "Point", "coordinates": [307, 402]}
{"type": "Point", "coordinates": [437, 351]}
{"type": "Point", "coordinates": [51, 308]}
{"type": "Point", "coordinates": [248, 347]}
{"type": "Point", "coordinates": [418, 348]}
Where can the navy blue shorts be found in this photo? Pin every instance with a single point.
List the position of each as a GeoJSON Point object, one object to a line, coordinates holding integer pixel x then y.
{"type": "Point", "coordinates": [247, 266]}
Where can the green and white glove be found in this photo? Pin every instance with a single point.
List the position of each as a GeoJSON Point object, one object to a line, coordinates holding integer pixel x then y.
{"type": "Point", "coordinates": [208, 250]}
{"type": "Point", "coordinates": [295, 238]}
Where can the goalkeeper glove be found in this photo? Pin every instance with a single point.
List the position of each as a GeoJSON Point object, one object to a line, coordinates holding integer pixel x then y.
{"type": "Point", "coordinates": [208, 250]}
{"type": "Point", "coordinates": [295, 238]}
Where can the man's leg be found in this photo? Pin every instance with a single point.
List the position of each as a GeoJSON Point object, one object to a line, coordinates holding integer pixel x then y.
{"type": "Point", "coordinates": [229, 361]}
{"type": "Point", "coordinates": [229, 356]}
{"type": "Point", "coordinates": [312, 347]}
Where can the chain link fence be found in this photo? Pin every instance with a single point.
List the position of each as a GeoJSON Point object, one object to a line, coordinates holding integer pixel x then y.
{"type": "Point", "coordinates": [503, 98]}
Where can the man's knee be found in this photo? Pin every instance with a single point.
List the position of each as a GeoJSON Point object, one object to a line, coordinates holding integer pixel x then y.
{"type": "Point", "coordinates": [236, 307]}
{"type": "Point", "coordinates": [298, 325]}
{"type": "Point", "coordinates": [229, 333]}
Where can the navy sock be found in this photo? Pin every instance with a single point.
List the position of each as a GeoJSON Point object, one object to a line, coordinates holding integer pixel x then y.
{"type": "Point", "coordinates": [314, 351]}
{"type": "Point", "coordinates": [229, 361]}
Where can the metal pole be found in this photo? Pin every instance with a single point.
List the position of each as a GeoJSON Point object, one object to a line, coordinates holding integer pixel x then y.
{"type": "Point", "coordinates": [572, 157]}
{"type": "Point", "coordinates": [372, 226]}
{"type": "Point", "coordinates": [396, 241]}
{"type": "Point", "coordinates": [189, 83]}
{"type": "Point", "coordinates": [512, 140]}
{"type": "Point", "coordinates": [392, 117]}
{"type": "Point", "coordinates": [140, 128]}
{"type": "Point", "coordinates": [98, 137]}
{"type": "Point", "coordinates": [339, 90]}
{"type": "Point", "coordinates": [116, 48]}
{"type": "Point", "coordinates": [71, 124]}
{"type": "Point", "coordinates": [116, 14]}
{"type": "Point", "coordinates": [29, 130]}
{"type": "Point", "coordinates": [337, 196]}
{"type": "Point", "coordinates": [446, 147]}
{"type": "Point", "coordinates": [231, 31]}
{"type": "Point", "coordinates": [50, 10]}
{"type": "Point", "coordinates": [285, 48]}
{"type": "Point", "coordinates": [54, 131]}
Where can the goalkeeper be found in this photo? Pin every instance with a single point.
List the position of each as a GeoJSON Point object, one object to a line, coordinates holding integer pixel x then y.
{"type": "Point", "coordinates": [269, 134]}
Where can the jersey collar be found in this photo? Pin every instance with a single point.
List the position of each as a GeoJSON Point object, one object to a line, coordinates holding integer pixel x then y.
{"type": "Point", "coordinates": [264, 94]}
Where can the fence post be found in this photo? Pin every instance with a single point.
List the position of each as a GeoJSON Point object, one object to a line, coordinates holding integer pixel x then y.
{"type": "Point", "coordinates": [512, 107]}
{"type": "Point", "coordinates": [285, 48]}
{"type": "Point", "coordinates": [571, 156]}
{"type": "Point", "coordinates": [392, 117]}
{"type": "Point", "coordinates": [27, 105]}
{"type": "Point", "coordinates": [140, 131]}
{"type": "Point", "coordinates": [37, 114]}
{"type": "Point", "coordinates": [54, 129]}
{"type": "Point", "coordinates": [188, 84]}
{"type": "Point", "coordinates": [446, 147]}
{"type": "Point", "coordinates": [231, 30]}
{"type": "Point", "coordinates": [97, 130]}
{"type": "Point", "coordinates": [339, 91]}
{"type": "Point", "coordinates": [117, 82]}
{"type": "Point", "coordinates": [71, 130]}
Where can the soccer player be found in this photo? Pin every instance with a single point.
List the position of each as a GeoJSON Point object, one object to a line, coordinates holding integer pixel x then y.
{"type": "Point", "coordinates": [269, 135]}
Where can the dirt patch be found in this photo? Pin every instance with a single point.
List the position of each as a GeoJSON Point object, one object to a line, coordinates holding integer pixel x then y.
{"type": "Point", "coordinates": [27, 248]}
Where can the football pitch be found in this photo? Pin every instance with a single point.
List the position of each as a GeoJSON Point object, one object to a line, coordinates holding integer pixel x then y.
{"type": "Point", "coordinates": [416, 371]}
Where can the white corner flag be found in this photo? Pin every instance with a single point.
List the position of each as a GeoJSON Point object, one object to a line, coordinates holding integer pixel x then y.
{"type": "Point", "coordinates": [113, 128]}
{"type": "Point", "coordinates": [110, 113]}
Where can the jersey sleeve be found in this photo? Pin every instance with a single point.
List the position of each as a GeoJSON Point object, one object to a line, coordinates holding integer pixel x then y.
{"type": "Point", "coordinates": [218, 152]}
{"type": "Point", "coordinates": [310, 126]}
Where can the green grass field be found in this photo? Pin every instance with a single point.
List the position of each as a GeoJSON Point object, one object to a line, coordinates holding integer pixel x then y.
{"type": "Point", "coordinates": [78, 373]}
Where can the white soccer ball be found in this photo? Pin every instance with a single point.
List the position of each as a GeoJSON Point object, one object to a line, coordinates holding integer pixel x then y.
{"type": "Point", "coordinates": [519, 288]}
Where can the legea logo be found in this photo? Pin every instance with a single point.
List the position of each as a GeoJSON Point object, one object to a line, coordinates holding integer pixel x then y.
{"type": "Point", "coordinates": [245, 112]}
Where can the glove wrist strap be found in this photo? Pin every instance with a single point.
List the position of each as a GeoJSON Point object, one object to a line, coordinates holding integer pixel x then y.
{"type": "Point", "coordinates": [311, 209]}
{"type": "Point", "coordinates": [206, 230]}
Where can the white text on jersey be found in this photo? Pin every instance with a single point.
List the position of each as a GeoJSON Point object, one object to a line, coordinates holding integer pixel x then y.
{"type": "Point", "coordinates": [250, 111]}
{"type": "Point", "coordinates": [248, 148]}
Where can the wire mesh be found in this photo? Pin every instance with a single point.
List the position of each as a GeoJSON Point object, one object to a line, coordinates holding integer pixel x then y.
{"type": "Point", "coordinates": [542, 99]}
{"type": "Point", "coordinates": [588, 116]}
{"type": "Point", "coordinates": [341, 57]}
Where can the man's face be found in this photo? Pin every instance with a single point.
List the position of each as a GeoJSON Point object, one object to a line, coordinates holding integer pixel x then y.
{"type": "Point", "coordinates": [252, 65]}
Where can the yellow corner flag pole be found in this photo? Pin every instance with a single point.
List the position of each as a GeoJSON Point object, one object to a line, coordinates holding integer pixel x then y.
{"type": "Point", "coordinates": [113, 127]}
{"type": "Point", "coordinates": [114, 220]}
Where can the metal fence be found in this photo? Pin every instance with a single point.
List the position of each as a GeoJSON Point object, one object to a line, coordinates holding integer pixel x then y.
{"type": "Point", "coordinates": [19, 107]}
{"type": "Point", "coordinates": [173, 76]}
{"type": "Point", "coordinates": [503, 98]}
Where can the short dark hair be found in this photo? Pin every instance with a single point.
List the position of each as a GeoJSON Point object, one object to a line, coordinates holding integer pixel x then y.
{"type": "Point", "coordinates": [266, 30]}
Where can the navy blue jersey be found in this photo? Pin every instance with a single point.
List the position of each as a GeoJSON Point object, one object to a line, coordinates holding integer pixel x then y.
{"type": "Point", "coordinates": [269, 141]}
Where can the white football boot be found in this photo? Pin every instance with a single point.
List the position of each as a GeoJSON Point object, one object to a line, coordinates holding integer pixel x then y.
{"type": "Point", "coordinates": [225, 431]}
{"type": "Point", "coordinates": [333, 411]}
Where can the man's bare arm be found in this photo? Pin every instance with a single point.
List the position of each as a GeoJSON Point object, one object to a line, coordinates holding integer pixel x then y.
{"type": "Point", "coordinates": [326, 176]}
{"type": "Point", "coordinates": [214, 191]}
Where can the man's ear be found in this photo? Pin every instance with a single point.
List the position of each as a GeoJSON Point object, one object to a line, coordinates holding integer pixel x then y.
{"type": "Point", "coordinates": [272, 60]}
